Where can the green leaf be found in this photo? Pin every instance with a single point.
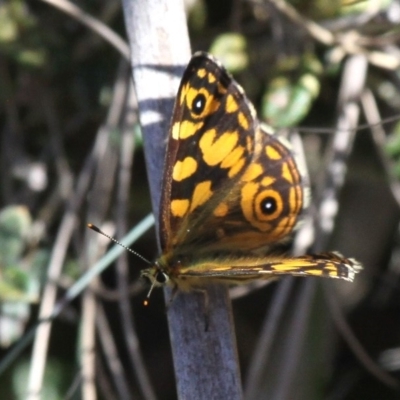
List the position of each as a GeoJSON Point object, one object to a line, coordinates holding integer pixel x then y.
{"type": "Point", "coordinates": [288, 99]}
{"type": "Point", "coordinates": [54, 383]}
{"type": "Point", "coordinates": [230, 49]}
{"type": "Point", "coordinates": [15, 222]}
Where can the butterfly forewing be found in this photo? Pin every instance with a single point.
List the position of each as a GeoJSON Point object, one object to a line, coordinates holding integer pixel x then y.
{"type": "Point", "coordinates": [209, 143]}
{"type": "Point", "coordinates": [227, 182]}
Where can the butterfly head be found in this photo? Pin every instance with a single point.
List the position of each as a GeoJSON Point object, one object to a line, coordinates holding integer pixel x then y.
{"type": "Point", "coordinates": [156, 275]}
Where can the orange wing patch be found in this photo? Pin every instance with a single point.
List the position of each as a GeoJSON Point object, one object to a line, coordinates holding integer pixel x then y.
{"type": "Point", "coordinates": [273, 153]}
{"type": "Point", "coordinates": [184, 169]}
{"type": "Point", "coordinates": [202, 193]}
{"type": "Point", "coordinates": [179, 208]}
{"type": "Point", "coordinates": [216, 148]}
{"type": "Point", "coordinates": [221, 210]}
{"type": "Point", "coordinates": [231, 104]}
{"type": "Point", "coordinates": [243, 121]}
{"type": "Point", "coordinates": [185, 129]}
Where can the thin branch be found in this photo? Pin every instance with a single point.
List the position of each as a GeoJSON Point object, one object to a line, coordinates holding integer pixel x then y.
{"type": "Point", "coordinates": [262, 350]}
{"type": "Point", "coordinates": [65, 231]}
{"type": "Point", "coordinates": [10, 135]}
{"type": "Point", "coordinates": [372, 115]}
{"type": "Point", "coordinates": [76, 289]}
{"type": "Point", "coordinates": [356, 347]}
{"type": "Point", "coordinates": [87, 353]}
{"type": "Point", "coordinates": [295, 338]}
{"type": "Point", "coordinates": [94, 24]}
{"type": "Point", "coordinates": [331, 182]}
{"type": "Point", "coordinates": [101, 195]}
{"type": "Point", "coordinates": [348, 43]}
{"type": "Point", "coordinates": [59, 252]}
{"type": "Point", "coordinates": [351, 89]}
{"type": "Point", "coordinates": [125, 170]}
{"type": "Point", "coordinates": [111, 354]}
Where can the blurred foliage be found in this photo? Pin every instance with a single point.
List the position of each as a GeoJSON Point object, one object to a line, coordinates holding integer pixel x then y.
{"type": "Point", "coordinates": [287, 101]}
{"type": "Point", "coordinates": [231, 51]}
{"type": "Point", "coordinates": [56, 380]}
{"type": "Point", "coordinates": [20, 36]}
{"type": "Point", "coordinates": [57, 85]}
{"type": "Point", "coordinates": [20, 272]}
{"type": "Point", "coordinates": [323, 9]}
{"type": "Point", "coordinates": [392, 148]}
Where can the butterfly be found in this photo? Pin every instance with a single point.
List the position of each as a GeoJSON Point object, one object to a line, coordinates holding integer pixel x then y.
{"type": "Point", "coordinates": [232, 190]}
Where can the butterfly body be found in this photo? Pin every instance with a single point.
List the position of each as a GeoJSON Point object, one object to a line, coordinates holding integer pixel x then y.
{"type": "Point", "coordinates": [232, 190]}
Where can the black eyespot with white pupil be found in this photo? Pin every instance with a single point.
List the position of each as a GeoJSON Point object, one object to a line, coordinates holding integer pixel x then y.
{"type": "Point", "coordinates": [161, 277]}
{"type": "Point", "coordinates": [199, 103]}
{"type": "Point", "coordinates": [268, 206]}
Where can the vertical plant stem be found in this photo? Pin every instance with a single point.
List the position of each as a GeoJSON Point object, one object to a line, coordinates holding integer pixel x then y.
{"type": "Point", "coordinates": [205, 363]}
{"type": "Point", "coordinates": [111, 353]}
{"type": "Point", "coordinates": [124, 178]}
{"type": "Point", "coordinates": [353, 82]}
{"type": "Point", "coordinates": [262, 350]}
{"type": "Point", "coordinates": [88, 353]}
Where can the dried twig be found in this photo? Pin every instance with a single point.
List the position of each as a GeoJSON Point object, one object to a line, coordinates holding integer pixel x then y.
{"type": "Point", "coordinates": [349, 43]}
{"type": "Point", "coordinates": [94, 24]}
{"type": "Point", "coordinates": [372, 115]}
{"type": "Point", "coordinates": [263, 348]}
{"type": "Point", "coordinates": [125, 170]}
{"type": "Point", "coordinates": [57, 259]}
{"type": "Point", "coordinates": [111, 353]}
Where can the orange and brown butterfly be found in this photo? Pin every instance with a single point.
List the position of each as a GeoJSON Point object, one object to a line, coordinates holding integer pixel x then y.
{"type": "Point", "coordinates": [231, 191]}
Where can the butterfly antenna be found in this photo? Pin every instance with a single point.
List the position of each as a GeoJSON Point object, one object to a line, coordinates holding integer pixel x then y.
{"type": "Point", "coordinates": [98, 230]}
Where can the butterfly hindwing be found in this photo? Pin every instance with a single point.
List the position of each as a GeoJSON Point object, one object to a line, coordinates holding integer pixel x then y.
{"type": "Point", "coordinates": [243, 269]}
{"type": "Point", "coordinates": [263, 206]}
